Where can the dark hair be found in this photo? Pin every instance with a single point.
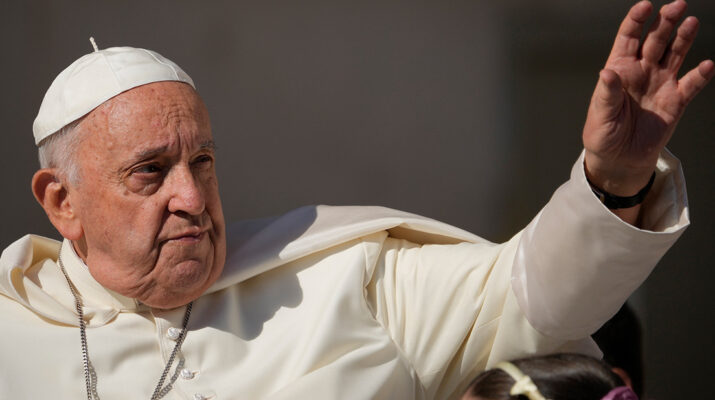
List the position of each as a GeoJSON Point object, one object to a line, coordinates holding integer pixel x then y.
{"type": "Point", "coordinates": [558, 377]}
{"type": "Point", "coordinates": [620, 341]}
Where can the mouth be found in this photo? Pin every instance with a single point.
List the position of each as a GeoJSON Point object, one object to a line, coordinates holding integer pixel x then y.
{"type": "Point", "coordinates": [188, 237]}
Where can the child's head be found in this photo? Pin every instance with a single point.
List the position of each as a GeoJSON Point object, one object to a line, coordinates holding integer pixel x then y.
{"type": "Point", "coordinates": [552, 377]}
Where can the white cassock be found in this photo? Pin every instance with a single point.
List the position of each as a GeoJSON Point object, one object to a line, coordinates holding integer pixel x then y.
{"type": "Point", "coordinates": [341, 303]}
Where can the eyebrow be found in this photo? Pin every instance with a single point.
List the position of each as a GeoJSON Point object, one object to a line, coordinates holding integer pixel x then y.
{"type": "Point", "coordinates": [154, 151]}
{"type": "Point", "coordinates": [149, 153]}
{"type": "Point", "coordinates": [208, 145]}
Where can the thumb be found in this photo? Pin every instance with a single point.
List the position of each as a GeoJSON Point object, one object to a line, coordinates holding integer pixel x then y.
{"type": "Point", "coordinates": [608, 96]}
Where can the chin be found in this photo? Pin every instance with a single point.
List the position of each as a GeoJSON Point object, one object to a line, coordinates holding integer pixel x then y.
{"type": "Point", "coordinates": [173, 299]}
{"type": "Point", "coordinates": [187, 282]}
{"type": "Point", "coordinates": [184, 281]}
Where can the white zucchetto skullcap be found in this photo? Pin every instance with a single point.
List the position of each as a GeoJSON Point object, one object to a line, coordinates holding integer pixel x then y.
{"type": "Point", "coordinates": [96, 78]}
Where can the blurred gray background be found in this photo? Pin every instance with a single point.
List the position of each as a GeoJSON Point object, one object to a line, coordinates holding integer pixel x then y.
{"type": "Point", "coordinates": [465, 111]}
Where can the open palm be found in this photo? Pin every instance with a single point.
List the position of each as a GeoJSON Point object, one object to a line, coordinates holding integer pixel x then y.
{"type": "Point", "coordinates": [639, 99]}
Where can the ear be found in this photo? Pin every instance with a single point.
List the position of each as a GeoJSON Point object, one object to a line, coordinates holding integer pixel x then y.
{"type": "Point", "coordinates": [624, 375]}
{"type": "Point", "coordinates": [54, 197]}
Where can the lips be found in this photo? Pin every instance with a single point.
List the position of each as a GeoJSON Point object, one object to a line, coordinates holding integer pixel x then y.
{"type": "Point", "coordinates": [189, 235]}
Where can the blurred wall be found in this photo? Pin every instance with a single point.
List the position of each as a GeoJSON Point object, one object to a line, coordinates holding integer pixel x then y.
{"type": "Point", "coordinates": [465, 111]}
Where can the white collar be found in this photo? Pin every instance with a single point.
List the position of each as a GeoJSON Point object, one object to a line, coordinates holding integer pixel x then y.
{"type": "Point", "coordinates": [95, 297]}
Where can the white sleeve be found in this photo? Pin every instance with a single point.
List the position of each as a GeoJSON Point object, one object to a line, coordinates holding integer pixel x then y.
{"type": "Point", "coordinates": [451, 311]}
{"type": "Point", "coordinates": [442, 305]}
{"type": "Point", "coordinates": [455, 310]}
{"type": "Point", "coordinates": [577, 262]}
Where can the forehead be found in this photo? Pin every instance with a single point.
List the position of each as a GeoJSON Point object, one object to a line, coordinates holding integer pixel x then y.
{"type": "Point", "coordinates": [158, 114]}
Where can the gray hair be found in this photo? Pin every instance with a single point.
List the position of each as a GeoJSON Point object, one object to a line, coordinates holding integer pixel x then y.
{"type": "Point", "coordinates": [59, 150]}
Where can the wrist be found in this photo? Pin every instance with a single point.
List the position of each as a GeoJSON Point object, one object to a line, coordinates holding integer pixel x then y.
{"type": "Point", "coordinates": [614, 202]}
{"type": "Point", "coordinates": [617, 180]}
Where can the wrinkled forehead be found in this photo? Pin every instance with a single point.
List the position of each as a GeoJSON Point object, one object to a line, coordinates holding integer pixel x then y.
{"type": "Point", "coordinates": [161, 114]}
{"type": "Point", "coordinates": [153, 98]}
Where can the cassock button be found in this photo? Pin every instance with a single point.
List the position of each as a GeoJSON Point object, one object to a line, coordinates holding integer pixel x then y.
{"type": "Point", "coordinates": [173, 333]}
{"type": "Point", "coordinates": [186, 374]}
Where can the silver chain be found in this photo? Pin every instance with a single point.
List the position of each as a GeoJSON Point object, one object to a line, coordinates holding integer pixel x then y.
{"type": "Point", "coordinates": [90, 376]}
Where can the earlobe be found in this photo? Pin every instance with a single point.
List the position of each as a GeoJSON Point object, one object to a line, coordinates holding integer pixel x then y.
{"type": "Point", "coordinates": [54, 197]}
{"type": "Point", "coordinates": [624, 375]}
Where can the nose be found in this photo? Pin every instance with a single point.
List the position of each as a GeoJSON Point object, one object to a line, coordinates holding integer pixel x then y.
{"type": "Point", "coordinates": [186, 192]}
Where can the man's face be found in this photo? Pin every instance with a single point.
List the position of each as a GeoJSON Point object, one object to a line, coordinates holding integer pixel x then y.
{"type": "Point", "coordinates": [147, 197]}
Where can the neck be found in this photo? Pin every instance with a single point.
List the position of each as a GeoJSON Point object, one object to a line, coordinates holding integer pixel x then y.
{"type": "Point", "coordinates": [80, 247]}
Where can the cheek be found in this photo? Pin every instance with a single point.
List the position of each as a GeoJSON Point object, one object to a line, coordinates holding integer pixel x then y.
{"type": "Point", "coordinates": [215, 211]}
{"type": "Point", "coordinates": [123, 228]}
{"type": "Point", "coordinates": [213, 200]}
{"type": "Point", "coordinates": [143, 223]}
{"type": "Point", "coordinates": [218, 233]}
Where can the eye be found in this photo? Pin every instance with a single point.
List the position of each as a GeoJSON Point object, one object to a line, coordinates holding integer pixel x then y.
{"type": "Point", "coordinates": [147, 169]}
{"type": "Point", "coordinates": [203, 160]}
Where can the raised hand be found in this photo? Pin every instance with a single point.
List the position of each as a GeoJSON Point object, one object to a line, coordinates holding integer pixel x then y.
{"type": "Point", "coordinates": [639, 99]}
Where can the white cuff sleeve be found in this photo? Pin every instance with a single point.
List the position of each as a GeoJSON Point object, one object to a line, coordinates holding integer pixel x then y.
{"type": "Point", "coordinates": [577, 262]}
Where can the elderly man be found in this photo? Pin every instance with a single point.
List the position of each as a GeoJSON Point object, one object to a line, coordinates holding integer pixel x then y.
{"type": "Point", "coordinates": [151, 296]}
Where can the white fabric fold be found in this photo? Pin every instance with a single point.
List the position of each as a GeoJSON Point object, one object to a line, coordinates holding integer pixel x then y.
{"type": "Point", "coordinates": [601, 259]}
{"type": "Point", "coordinates": [261, 245]}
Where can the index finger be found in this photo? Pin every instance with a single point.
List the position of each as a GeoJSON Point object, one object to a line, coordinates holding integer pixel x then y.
{"type": "Point", "coordinates": [628, 37]}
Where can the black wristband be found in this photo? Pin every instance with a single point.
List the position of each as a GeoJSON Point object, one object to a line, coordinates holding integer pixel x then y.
{"type": "Point", "coordinates": [614, 202]}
